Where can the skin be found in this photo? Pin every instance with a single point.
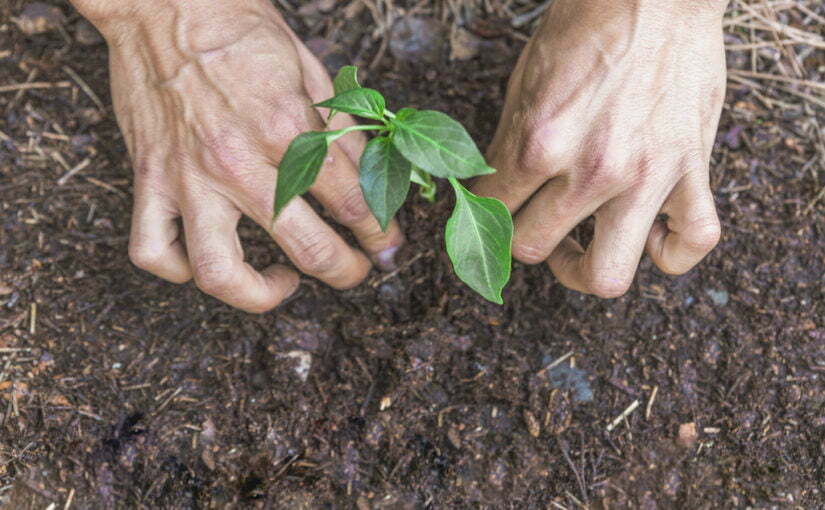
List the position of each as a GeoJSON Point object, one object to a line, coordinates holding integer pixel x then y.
{"type": "Point", "coordinates": [611, 111]}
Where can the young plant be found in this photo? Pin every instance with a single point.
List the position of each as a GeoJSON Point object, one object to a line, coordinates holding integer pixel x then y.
{"type": "Point", "coordinates": [411, 146]}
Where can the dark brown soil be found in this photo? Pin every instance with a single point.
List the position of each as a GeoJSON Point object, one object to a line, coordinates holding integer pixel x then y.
{"type": "Point", "coordinates": [118, 390]}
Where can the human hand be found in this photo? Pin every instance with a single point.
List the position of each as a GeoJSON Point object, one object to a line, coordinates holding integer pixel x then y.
{"type": "Point", "coordinates": [208, 96]}
{"type": "Point", "coordinates": [612, 111]}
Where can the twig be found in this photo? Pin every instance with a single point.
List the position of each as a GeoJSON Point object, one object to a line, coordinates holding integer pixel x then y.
{"type": "Point", "coordinates": [632, 407]}
{"type": "Point", "coordinates": [106, 186]}
{"type": "Point", "coordinates": [85, 88]}
{"type": "Point", "coordinates": [579, 479]}
{"type": "Point", "coordinates": [776, 77]}
{"type": "Point", "coordinates": [33, 319]}
{"type": "Point", "coordinates": [813, 202]}
{"type": "Point", "coordinates": [69, 499]}
{"type": "Point", "coordinates": [35, 85]}
{"type": "Point", "coordinates": [527, 17]}
{"type": "Point", "coordinates": [559, 361]}
{"type": "Point", "coordinates": [650, 402]}
{"type": "Point", "coordinates": [406, 264]}
{"type": "Point", "coordinates": [68, 175]}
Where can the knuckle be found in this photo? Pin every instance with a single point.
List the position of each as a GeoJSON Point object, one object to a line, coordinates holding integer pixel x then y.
{"type": "Point", "coordinates": [146, 256]}
{"type": "Point", "coordinates": [214, 275]}
{"type": "Point", "coordinates": [148, 166]}
{"type": "Point", "coordinates": [316, 253]}
{"type": "Point", "coordinates": [600, 173]}
{"type": "Point", "coordinates": [229, 156]}
{"type": "Point", "coordinates": [607, 286]}
{"type": "Point", "coordinates": [693, 159]}
{"type": "Point", "coordinates": [639, 173]}
{"type": "Point", "coordinates": [291, 117]}
{"type": "Point", "coordinates": [540, 146]}
{"type": "Point", "coordinates": [350, 208]}
{"type": "Point", "coordinates": [704, 235]}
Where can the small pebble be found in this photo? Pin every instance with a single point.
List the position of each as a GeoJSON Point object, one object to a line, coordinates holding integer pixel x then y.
{"type": "Point", "coordinates": [304, 363]}
{"type": "Point", "coordinates": [464, 45]}
{"type": "Point", "coordinates": [420, 40]}
{"type": "Point", "coordinates": [86, 34]}
{"type": "Point", "coordinates": [687, 435]}
{"type": "Point", "coordinates": [719, 297]}
{"type": "Point", "coordinates": [39, 18]}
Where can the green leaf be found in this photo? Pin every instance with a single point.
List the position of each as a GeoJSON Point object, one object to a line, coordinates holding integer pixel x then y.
{"type": "Point", "coordinates": [479, 236]}
{"type": "Point", "coordinates": [363, 102]}
{"type": "Point", "coordinates": [403, 113]}
{"type": "Point", "coordinates": [437, 144]}
{"type": "Point", "coordinates": [300, 166]}
{"type": "Point", "coordinates": [385, 179]}
{"type": "Point", "coordinates": [427, 188]}
{"type": "Point", "coordinates": [346, 79]}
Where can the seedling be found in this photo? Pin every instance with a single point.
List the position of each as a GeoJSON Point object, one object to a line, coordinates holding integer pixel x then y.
{"type": "Point", "coordinates": [411, 146]}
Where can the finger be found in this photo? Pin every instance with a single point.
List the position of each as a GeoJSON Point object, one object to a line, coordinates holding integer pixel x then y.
{"type": "Point", "coordinates": [519, 159]}
{"type": "Point", "coordinates": [217, 259]}
{"type": "Point", "coordinates": [319, 88]}
{"type": "Point", "coordinates": [154, 241]}
{"type": "Point", "coordinates": [337, 187]}
{"type": "Point", "coordinates": [339, 190]}
{"type": "Point", "coordinates": [353, 144]}
{"type": "Point", "coordinates": [547, 218]}
{"type": "Point", "coordinates": [692, 228]}
{"type": "Point", "coordinates": [609, 264]}
{"type": "Point", "coordinates": [315, 248]}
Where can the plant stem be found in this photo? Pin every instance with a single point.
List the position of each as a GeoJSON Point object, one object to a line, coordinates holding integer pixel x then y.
{"type": "Point", "coordinates": [334, 135]}
{"type": "Point", "coordinates": [389, 114]}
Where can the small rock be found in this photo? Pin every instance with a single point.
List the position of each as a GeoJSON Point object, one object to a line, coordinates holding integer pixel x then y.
{"type": "Point", "coordinates": [455, 437]}
{"type": "Point", "coordinates": [208, 459]}
{"type": "Point", "coordinates": [86, 34]}
{"type": "Point", "coordinates": [687, 435]}
{"type": "Point", "coordinates": [418, 40]}
{"type": "Point", "coordinates": [316, 7]}
{"type": "Point", "coordinates": [732, 137]}
{"type": "Point", "coordinates": [208, 431]}
{"type": "Point", "coordinates": [103, 224]}
{"type": "Point", "coordinates": [463, 45]}
{"type": "Point", "coordinates": [559, 412]}
{"type": "Point", "coordinates": [719, 297]}
{"type": "Point", "coordinates": [38, 18]}
{"type": "Point", "coordinates": [565, 377]}
{"type": "Point", "coordinates": [533, 425]}
{"type": "Point", "coordinates": [304, 363]}
{"type": "Point", "coordinates": [90, 116]}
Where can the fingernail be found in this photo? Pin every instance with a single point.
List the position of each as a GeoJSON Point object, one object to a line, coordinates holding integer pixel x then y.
{"type": "Point", "coordinates": [385, 260]}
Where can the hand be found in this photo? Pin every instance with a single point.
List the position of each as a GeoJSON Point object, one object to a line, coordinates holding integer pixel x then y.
{"type": "Point", "coordinates": [208, 96]}
{"type": "Point", "coordinates": [612, 111]}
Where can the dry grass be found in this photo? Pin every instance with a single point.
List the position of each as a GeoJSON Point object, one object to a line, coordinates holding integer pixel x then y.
{"type": "Point", "coordinates": [776, 47]}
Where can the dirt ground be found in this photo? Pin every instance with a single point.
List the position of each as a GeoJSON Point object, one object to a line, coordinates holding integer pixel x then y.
{"type": "Point", "coordinates": [118, 390]}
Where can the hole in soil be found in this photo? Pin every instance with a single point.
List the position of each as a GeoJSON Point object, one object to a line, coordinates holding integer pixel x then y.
{"type": "Point", "coordinates": [252, 487]}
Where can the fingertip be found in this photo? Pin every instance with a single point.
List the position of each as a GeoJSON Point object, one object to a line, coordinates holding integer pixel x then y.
{"type": "Point", "coordinates": [356, 272]}
{"type": "Point", "coordinates": [564, 263]}
{"type": "Point", "coordinates": [285, 280]}
{"type": "Point", "coordinates": [385, 260]}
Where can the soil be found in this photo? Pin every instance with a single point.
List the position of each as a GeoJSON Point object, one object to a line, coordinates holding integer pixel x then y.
{"type": "Point", "coordinates": [118, 390]}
